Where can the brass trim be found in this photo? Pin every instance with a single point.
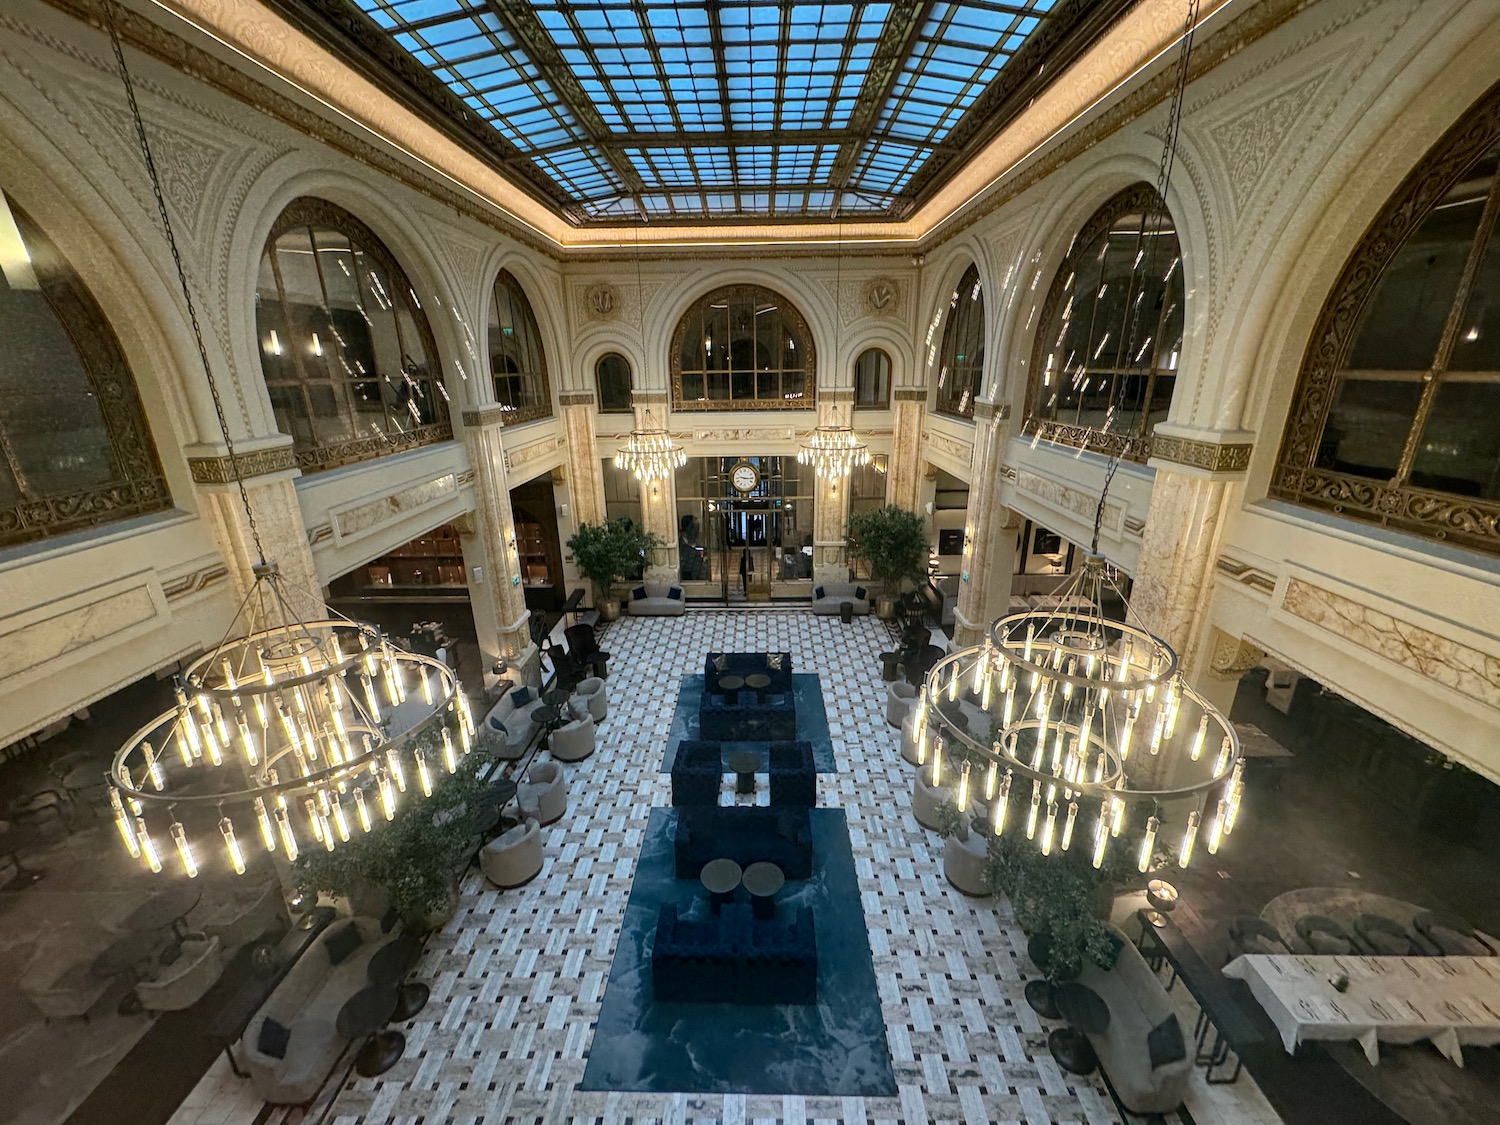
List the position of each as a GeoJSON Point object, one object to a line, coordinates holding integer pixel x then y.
{"type": "Point", "coordinates": [1109, 443]}
{"type": "Point", "coordinates": [909, 394]}
{"type": "Point", "coordinates": [338, 454]}
{"type": "Point", "coordinates": [1210, 456]}
{"type": "Point", "coordinates": [262, 462]}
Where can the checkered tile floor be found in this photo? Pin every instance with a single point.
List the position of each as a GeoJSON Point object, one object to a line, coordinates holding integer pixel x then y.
{"type": "Point", "coordinates": [517, 976]}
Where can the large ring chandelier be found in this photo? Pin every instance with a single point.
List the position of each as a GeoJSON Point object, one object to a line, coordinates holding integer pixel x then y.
{"type": "Point", "coordinates": [1083, 731]}
{"type": "Point", "coordinates": [833, 451]}
{"type": "Point", "coordinates": [299, 732]}
{"type": "Point", "coordinates": [650, 453]}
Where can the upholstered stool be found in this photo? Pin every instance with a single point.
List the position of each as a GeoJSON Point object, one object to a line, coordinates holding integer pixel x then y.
{"type": "Point", "coordinates": [514, 857]}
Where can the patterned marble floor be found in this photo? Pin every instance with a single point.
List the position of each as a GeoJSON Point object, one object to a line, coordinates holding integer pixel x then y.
{"type": "Point", "coordinates": [517, 976]}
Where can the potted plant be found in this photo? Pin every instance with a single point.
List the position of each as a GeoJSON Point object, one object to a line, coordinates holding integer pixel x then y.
{"type": "Point", "coordinates": [608, 551]}
{"type": "Point", "coordinates": [894, 542]}
{"type": "Point", "coordinates": [411, 857]}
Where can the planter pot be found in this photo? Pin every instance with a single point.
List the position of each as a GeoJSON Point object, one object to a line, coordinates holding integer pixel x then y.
{"type": "Point", "coordinates": [609, 609]}
{"type": "Point", "coordinates": [885, 606]}
{"type": "Point", "coordinates": [437, 917]}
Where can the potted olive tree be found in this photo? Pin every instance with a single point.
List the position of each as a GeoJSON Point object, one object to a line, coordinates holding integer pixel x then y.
{"type": "Point", "coordinates": [608, 551]}
{"type": "Point", "coordinates": [894, 542]}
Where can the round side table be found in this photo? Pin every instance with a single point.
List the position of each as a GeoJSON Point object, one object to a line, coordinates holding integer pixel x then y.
{"type": "Point", "coordinates": [764, 881]}
{"type": "Point", "coordinates": [1087, 1014]}
{"type": "Point", "coordinates": [744, 763]}
{"type": "Point", "coordinates": [363, 1016]}
{"type": "Point", "coordinates": [720, 878]}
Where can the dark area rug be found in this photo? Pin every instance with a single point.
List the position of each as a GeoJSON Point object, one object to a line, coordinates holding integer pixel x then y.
{"type": "Point", "coordinates": [835, 1047]}
{"type": "Point", "coordinates": [812, 722]}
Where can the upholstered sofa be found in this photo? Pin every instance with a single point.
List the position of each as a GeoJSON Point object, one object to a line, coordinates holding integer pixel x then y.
{"type": "Point", "coordinates": [746, 834]}
{"type": "Point", "coordinates": [307, 1002]}
{"type": "Point", "coordinates": [1138, 1004]}
{"type": "Point", "coordinates": [513, 722]}
{"type": "Point", "coordinates": [733, 958]}
{"type": "Point", "coordinates": [697, 770]}
{"type": "Point", "coordinates": [655, 599]}
{"type": "Point", "coordinates": [748, 716]}
{"type": "Point", "coordinates": [794, 776]}
{"type": "Point", "coordinates": [828, 596]}
{"type": "Point", "coordinates": [776, 665]}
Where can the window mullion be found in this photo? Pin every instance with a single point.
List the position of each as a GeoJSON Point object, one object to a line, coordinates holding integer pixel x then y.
{"type": "Point", "coordinates": [292, 349]}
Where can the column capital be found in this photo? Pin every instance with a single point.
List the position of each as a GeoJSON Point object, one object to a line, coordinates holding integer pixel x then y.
{"type": "Point", "coordinates": [909, 394]}
{"type": "Point", "coordinates": [991, 411]}
{"type": "Point", "coordinates": [1211, 452]}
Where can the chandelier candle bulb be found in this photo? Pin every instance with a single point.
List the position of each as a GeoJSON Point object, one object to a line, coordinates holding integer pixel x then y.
{"type": "Point", "coordinates": [1127, 728]}
{"type": "Point", "coordinates": [153, 767]}
{"type": "Point", "coordinates": [992, 778]}
{"type": "Point", "coordinates": [232, 845]}
{"type": "Point", "coordinates": [937, 763]}
{"type": "Point", "coordinates": [387, 795]}
{"type": "Point", "coordinates": [953, 683]}
{"type": "Point", "coordinates": [122, 822]}
{"type": "Point", "coordinates": [184, 849]}
{"type": "Point", "coordinates": [1030, 638]}
{"type": "Point", "coordinates": [1216, 830]}
{"type": "Point", "coordinates": [1198, 738]}
{"type": "Point", "coordinates": [327, 833]}
{"type": "Point", "coordinates": [247, 743]}
{"type": "Point", "coordinates": [369, 688]}
{"type": "Point", "coordinates": [393, 761]}
{"type": "Point", "coordinates": [312, 818]}
{"type": "Point", "coordinates": [963, 788]}
{"type": "Point", "coordinates": [1002, 800]}
{"type": "Point", "coordinates": [423, 777]}
{"type": "Point", "coordinates": [1189, 838]}
{"type": "Point", "coordinates": [211, 745]}
{"type": "Point", "coordinates": [361, 808]}
{"type": "Point", "coordinates": [1031, 815]}
{"type": "Point", "coordinates": [1049, 827]}
{"type": "Point", "coordinates": [221, 725]}
{"type": "Point", "coordinates": [1067, 836]}
{"type": "Point", "coordinates": [426, 688]}
{"type": "Point", "coordinates": [340, 818]}
{"type": "Point", "coordinates": [148, 846]}
{"type": "Point", "coordinates": [1117, 816]}
{"type": "Point", "coordinates": [288, 837]}
{"type": "Point", "coordinates": [1148, 843]}
{"type": "Point", "coordinates": [263, 820]}
{"type": "Point", "coordinates": [1101, 839]}
{"type": "Point", "coordinates": [1010, 705]}
{"type": "Point", "coordinates": [921, 744]}
{"type": "Point", "coordinates": [1221, 763]}
{"type": "Point", "coordinates": [449, 760]}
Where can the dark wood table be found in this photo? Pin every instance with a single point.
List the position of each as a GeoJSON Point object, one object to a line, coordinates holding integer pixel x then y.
{"type": "Point", "coordinates": [168, 907]}
{"type": "Point", "coordinates": [763, 881]}
{"type": "Point", "coordinates": [720, 878]}
{"type": "Point", "coordinates": [364, 1016]}
{"type": "Point", "coordinates": [1087, 1014]}
{"type": "Point", "coordinates": [744, 763]}
{"type": "Point", "coordinates": [389, 966]}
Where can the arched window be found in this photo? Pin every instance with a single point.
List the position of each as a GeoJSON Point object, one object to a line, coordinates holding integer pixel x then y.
{"type": "Point", "coordinates": [872, 379]}
{"type": "Point", "coordinates": [1396, 417]}
{"type": "Point", "coordinates": [75, 449]}
{"type": "Point", "coordinates": [743, 347]}
{"type": "Point", "coordinates": [517, 361]}
{"type": "Point", "coordinates": [961, 360]}
{"type": "Point", "coordinates": [1105, 359]}
{"type": "Point", "coordinates": [612, 373]}
{"type": "Point", "coordinates": [345, 347]}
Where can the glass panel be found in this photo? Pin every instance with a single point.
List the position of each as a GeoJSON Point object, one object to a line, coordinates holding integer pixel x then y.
{"type": "Point", "coordinates": [961, 358]}
{"type": "Point", "coordinates": [1477, 347]}
{"type": "Point", "coordinates": [517, 362]}
{"type": "Point", "coordinates": [613, 374]}
{"type": "Point", "coordinates": [745, 346]}
{"type": "Point", "coordinates": [1404, 318]}
{"type": "Point", "coordinates": [1367, 426]}
{"type": "Point", "coordinates": [1459, 451]}
{"type": "Point", "coordinates": [872, 379]}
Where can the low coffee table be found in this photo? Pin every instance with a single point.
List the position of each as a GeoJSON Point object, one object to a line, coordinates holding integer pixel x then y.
{"type": "Point", "coordinates": [389, 966]}
{"type": "Point", "coordinates": [1087, 1014]}
{"type": "Point", "coordinates": [763, 881]}
{"type": "Point", "coordinates": [720, 878]}
{"type": "Point", "coordinates": [363, 1016]}
{"type": "Point", "coordinates": [744, 763]}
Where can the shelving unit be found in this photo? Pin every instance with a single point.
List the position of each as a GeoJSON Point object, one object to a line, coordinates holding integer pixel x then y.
{"type": "Point", "coordinates": [430, 564]}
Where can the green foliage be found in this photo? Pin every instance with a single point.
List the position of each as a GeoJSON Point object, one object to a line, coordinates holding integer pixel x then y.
{"type": "Point", "coordinates": [617, 548]}
{"type": "Point", "coordinates": [413, 855]}
{"type": "Point", "coordinates": [951, 822]}
{"type": "Point", "coordinates": [1057, 896]}
{"type": "Point", "coordinates": [893, 541]}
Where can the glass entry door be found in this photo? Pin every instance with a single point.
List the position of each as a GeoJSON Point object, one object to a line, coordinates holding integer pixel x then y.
{"type": "Point", "coordinates": [750, 543]}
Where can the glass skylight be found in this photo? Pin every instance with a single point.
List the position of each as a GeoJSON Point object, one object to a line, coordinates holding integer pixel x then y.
{"type": "Point", "coordinates": [739, 108]}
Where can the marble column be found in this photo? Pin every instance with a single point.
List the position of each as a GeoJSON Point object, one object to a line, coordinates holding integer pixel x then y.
{"type": "Point", "coordinates": [492, 545]}
{"type": "Point", "coordinates": [989, 533]}
{"type": "Point", "coordinates": [585, 470]}
{"type": "Point", "coordinates": [909, 415]}
{"type": "Point", "coordinates": [269, 469]}
{"type": "Point", "coordinates": [831, 498]}
{"type": "Point", "coordinates": [659, 498]}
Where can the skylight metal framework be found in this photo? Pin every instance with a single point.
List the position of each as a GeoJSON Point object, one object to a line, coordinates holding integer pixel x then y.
{"type": "Point", "coordinates": [728, 110]}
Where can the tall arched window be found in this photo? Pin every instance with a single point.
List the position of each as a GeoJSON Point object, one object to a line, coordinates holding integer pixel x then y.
{"type": "Point", "coordinates": [1396, 417]}
{"type": "Point", "coordinates": [872, 380]}
{"type": "Point", "coordinates": [75, 449]}
{"type": "Point", "coordinates": [517, 361]}
{"type": "Point", "coordinates": [612, 373]}
{"type": "Point", "coordinates": [345, 347]}
{"type": "Point", "coordinates": [1105, 359]}
{"type": "Point", "coordinates": [743, 347]}
{"type": "Point", "coordinates": [961, 360]}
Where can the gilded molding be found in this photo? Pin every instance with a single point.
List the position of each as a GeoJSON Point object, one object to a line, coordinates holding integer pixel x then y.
{"type": "Point", "coordinates": [194, 581]}
{"type": "Point", "coordinates": [575, 398]}
{"type": "Point", "coordinates": [1106, 442]}
{"type": "Point", "coordinates": [1206, 455]}
{"type": "Point", "coordinates": [990, 411]}
{"type": "Point", "coordinates": [909, 394]}
{"type": "Point", "coordinates": [262, 462]}
{"type": "Point", "coordinates": [1246, 575]}
{"type": "Point", "coordinates": [480, 416]}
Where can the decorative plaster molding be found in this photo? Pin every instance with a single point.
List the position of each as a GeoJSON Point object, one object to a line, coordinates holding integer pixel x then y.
{"type": "Point", "coordinates": [526, 454]}
{"type": "Point", "coordinates": [194, 581]}
{"type": "Point", "coordinates": [1246, 575]}
{"type": "Point", "coordinates": [466, 477]}
{"type": "Point", "coordinates": [1136, 527]}
{"type": "Point", "coordinates": [991, 412]}
{"type": "Point", "coordinates": [1008, 472]}
{"type": "Point", "coordinates": [1231, 657]}
{"type": "Point", "coordinates": [491, 415]}
{"type": "Point", "coordinates": [909, 394]}
{"type": "Point", "coordinates": [601, 301]}
{"type": "Point", "coordinates": [747, 434]}
{"type": "Point", "coordinates": [1067, 498]}
{"type": "Point", "coordinates": [359, 518]}
{"type": "Point", "coordinates": [1206, 455]}
{"type": "Point", "coordinates": [1443, 660]}
{"type": "Point", "coordinates": [105, 616]}
{"type": "Point", "coordinates": [320, 534]}
{"type": "Point", "coordinates": [575, 398]}
{"type": "Point", "coordinates": [962, 451]}
{"type": "Point", "coordinates": [883, 296]}
{"type": "Point", "coordinates": [263, 462]}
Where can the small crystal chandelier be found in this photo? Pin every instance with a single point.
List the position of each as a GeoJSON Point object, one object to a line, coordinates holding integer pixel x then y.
{"type": "Point", "coordinates": [294, 730]}
{"type": "Point", "coordinates": [834, 451]}
{"type": "Point", "coordinates": [650, 454]}
{"type": "Point", "coordinates": [1077, 729]}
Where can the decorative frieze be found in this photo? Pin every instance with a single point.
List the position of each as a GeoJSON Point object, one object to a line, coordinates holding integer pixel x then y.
{"type": "Point", "coordinates": [909, 394]}
{"type": "Point", "coordinates": [1246, 575]}
{"type": "Point", "coordinates": [359, 518]}
{"type": "Point", "coordinates": [575, 398]}
{"type": "Point", "coordinates": [262, 462]}
{"type": "Point", "coordinates": [747, 435]}
{"type": "Point", "coordinates": [195, 581]}
{"type": "Point", "coordinates": [1067, 498]}
{"type": "Point", "coordinates": [1211, 457]}
{"type": "Point", "coordinates": [1231, 657]}
{"type": "Point", "coordinates": [526, 454]}
{"type": "Point", "coordinates": [991, 411]}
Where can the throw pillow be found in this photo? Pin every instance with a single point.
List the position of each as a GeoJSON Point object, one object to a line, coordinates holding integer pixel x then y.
{"type": "Point", "coordinates": [1329, 945]}
{"type": "Point", "coordinates": [342, 942]}
{"type": "Point", "coordinates": [675, 593]}
{"type": "Point", "coordinates": [498, 727]}
{"type": "Point", "coordinates": [638, 594]}
{"type": "Point", "coordinates": [1259, 943]}
{"type": "Point", "coordinates": [273, 1039]}
{"type": "Point", "coordinates": [860, 592]}
{"type": "Point", "coordinates": [1165, 1044]}
{"type": "Point", "coordinates": [521, 696]}
{"type": "Point", "coordinates": [818, 593]}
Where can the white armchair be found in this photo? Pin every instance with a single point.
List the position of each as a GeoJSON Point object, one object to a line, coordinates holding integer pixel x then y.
{"type": "Point", "coordinates": [591, 693]}
{"type": "Point", "coordinates": [900, 698]}
{"type": "Point", "coordinates": [183, 982]}
{"type": "Point", "coordinates": [543, 792]}
{"type": "Point", "coordinates": [514, 857]}
{"type": "Point", "coordinates": [575, 741]}
{"type": "Point", "coordinates": [926, 798]}
{"type": "Point", "coordinates": [964, 861]}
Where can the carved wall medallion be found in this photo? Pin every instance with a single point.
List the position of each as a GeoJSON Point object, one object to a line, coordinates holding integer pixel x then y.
{"type": "Point", "coordinates": [882, 297]}
{"type": "Point", "coordinates": [602, 301]}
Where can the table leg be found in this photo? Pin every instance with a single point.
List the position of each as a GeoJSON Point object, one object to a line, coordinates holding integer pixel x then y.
{"type": "Point", "coordinates": [381, 1052]}
{"type": "Point", "coordinates": [234, 1063]}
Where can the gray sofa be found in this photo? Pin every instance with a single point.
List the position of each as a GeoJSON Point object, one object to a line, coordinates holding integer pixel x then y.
{"type": "Point", "coordinates": [1137, 1003]}
{"type": "Point", "coordinates": [307, 1001]}
{"type": "Point", "coordinates": [656, 603]}
{"type": "Point", "coordinates": [514, 724]}
{"type": "Point", "coordinates": [835, 593]}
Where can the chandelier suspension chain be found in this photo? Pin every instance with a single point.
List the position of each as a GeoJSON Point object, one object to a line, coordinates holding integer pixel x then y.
{"type": "Point", "coordinates": [166, 222]}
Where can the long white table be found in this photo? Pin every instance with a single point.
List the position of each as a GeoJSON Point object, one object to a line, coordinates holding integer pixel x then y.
{"type": "Point", "coordinates": [1452, 1001]}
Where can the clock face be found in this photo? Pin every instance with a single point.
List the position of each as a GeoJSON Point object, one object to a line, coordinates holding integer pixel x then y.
{"type": "Point", "coordinates": [744, 478]}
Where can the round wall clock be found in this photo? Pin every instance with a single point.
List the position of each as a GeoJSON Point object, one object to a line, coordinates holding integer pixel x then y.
{"type": "Point", "coordinates": [745, 477]}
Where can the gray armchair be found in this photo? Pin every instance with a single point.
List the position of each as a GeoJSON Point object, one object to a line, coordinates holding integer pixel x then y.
{"type": "Point", "coordinates": [514, 857]}
{"type": "Point", "coordinates": [543, 793]}
{"type": "Point", "coordinates": [900, 699]}
{"type": "Point", "coordinates": [592, 694]}
{"type": "Point", "coordinates": [575, 741]}
{"type": "Point", "coordinates": [183, 982]}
